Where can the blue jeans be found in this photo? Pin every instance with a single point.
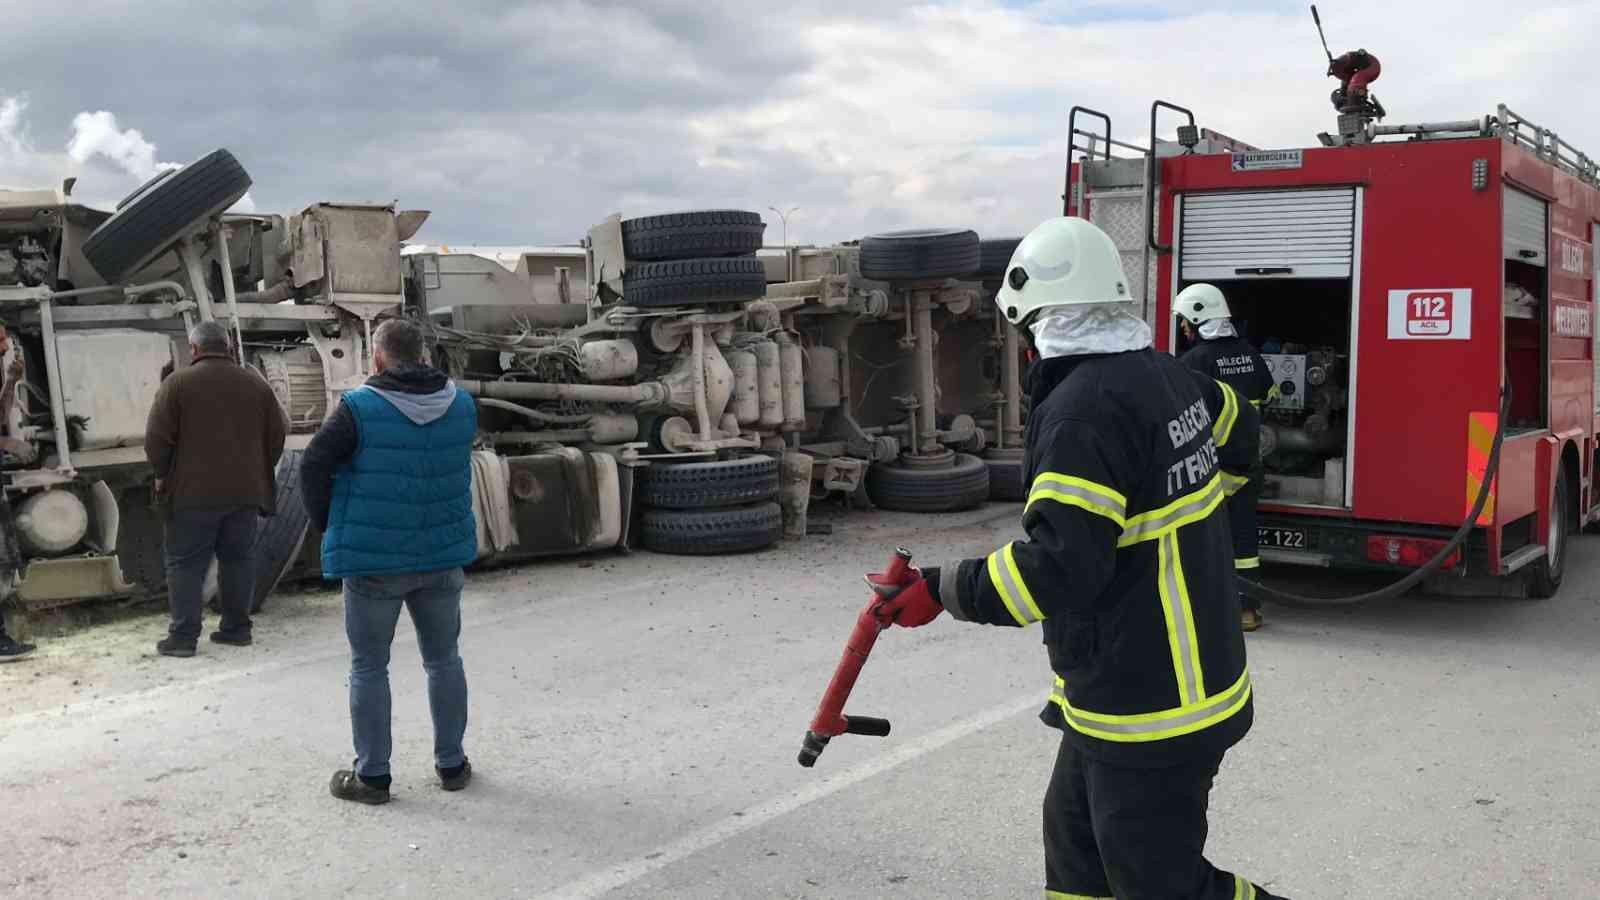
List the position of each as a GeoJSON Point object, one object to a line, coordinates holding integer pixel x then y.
{"type": "Point", "coordinates": [371, 609]}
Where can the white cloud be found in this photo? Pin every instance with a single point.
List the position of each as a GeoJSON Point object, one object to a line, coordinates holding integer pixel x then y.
{"type": "Point", "coordinates": [22, 165]}
{"type": "Point", "coordinates": [957, 113]}
{"type": "Point", "coordinates": [528, 122]}
{"type": "Point", "coordinates": [95, 136]}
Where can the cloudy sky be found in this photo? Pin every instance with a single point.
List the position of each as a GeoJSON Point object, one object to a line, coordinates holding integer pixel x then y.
{"type": "Point", "coordinates": [526, 122]}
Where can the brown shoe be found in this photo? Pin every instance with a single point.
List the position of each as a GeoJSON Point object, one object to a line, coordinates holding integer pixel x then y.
{"type": "Point", "coordinates": [1250, 619]}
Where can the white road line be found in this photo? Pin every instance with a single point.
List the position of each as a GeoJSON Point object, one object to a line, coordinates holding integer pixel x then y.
{"type": "Point", "coordinates": [599, 883]}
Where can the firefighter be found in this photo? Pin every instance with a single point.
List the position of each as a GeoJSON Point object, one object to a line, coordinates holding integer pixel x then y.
{"type": "Point", "coordinates": [1355, 70]}
{"type": "Point", "coordinates": [1218, 350]}
{"type": "Point", "coordinates": [1127, 565]}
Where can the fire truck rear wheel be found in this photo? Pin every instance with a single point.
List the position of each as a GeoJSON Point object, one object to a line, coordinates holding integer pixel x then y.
{"type": "Point", "coordinates": [687, 235]}
{"type": "Point", "coordinates": [920, 254]}
{"type": "Point", "coordinates": [163, 210]}
{"type": "Point", "coordinates": [712, 532]}
{"type": "Point", "coordinates": [1545, 577]}
{"type": "Point", "coordinates": [694, 282]}
{"type": "Point", "coordinates": [709, 485]}
{"type": "Point", "coordinates": [964, 484]}
{"type": "Point", "coordinates": [994, 256]}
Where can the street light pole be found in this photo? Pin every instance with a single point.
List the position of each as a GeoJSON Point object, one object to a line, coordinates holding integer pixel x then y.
{"type": "Point", "coordinates": [788, 261]}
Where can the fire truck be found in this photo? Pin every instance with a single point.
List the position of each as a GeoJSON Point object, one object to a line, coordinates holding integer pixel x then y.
{"type": "Point", "coordinates": [1424, 294]}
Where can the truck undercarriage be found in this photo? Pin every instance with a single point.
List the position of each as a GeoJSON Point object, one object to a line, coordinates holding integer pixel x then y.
{"type": "Point", "coordinates": [667, 383]}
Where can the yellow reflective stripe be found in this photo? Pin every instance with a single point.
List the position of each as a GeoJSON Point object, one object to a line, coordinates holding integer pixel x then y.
{"type": "Point", "coordinates": [1013, 591]}
{"type": "Point", "coordinates": [1243, 889]}
{"type": "Point", "coordinates": [1222, 429]}
{"type": "Point", "coordinates": [1234, 483]}
{"type": "Point", "coordinates": [1057, 895]}
{"type": "Point", "coordinates": [1185, 510]}
{"type": "Point", "coordinates": [1272, 392]}
{"type": "Point", "coordinates": [1248, 562]}
{"type": "Point", "coordinates": [1156, 726]}
{"type": "Point", "coordinates": [1175, 607]}
{"type": "Point", "coordinates": [1082, 493]}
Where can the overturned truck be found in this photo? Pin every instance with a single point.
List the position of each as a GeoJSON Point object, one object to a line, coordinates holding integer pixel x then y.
{"type": "Point", "coordinates": [668, 383]}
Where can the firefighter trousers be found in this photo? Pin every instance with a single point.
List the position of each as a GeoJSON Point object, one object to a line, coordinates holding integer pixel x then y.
{"type": "Point", "coordinates": [1119, 833]}
{"type": "Point", "coordinates": [1242, 523]}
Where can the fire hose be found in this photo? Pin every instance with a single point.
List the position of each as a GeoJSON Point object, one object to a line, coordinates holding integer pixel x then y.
{"type": "Point", "coordinates": [830, 720]}
{"type": "Point", "coordinates": [1260, 591]}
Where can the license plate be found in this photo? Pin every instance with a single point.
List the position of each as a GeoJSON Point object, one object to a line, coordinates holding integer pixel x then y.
{"type": "Point", "coordinates": [1281, 538]}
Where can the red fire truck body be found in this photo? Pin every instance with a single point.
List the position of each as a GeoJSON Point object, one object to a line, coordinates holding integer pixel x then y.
{"type": "Point", "coordinates": [1395, 287]}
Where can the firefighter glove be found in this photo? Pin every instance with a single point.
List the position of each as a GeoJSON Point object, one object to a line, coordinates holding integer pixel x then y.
{"type": "Point", "coordinates": [914, 604]}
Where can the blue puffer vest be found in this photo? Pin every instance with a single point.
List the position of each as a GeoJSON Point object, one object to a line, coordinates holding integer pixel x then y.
{"type": "Point", "coordinates": [403, 502]}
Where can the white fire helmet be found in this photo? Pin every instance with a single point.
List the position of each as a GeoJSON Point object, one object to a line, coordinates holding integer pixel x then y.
{"type": "Point", "coordinates": [1066, 261]}
{"type": "Point", "coordinates": [1201, 303]}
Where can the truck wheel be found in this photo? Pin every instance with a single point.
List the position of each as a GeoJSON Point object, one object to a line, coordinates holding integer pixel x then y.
{"type": "Point", "coordinates": [1005, 480]}
{"type": "Point", "coordinates": [994, 256]}
{"type": "Point", "coordinates": [694, 282]}
{"type": "Point", "coordinates": [162, 210]}
{"type": "Point", "coordinates": [686, 235]}
{"type": "Point", "coordinates": [1545, 578]}
{"type": "Point", "coordinates": [279, 539]}
{"type": "Point", "coordinates": [963, 484]}
{"type": "Point", "coordinates": [712, 532]}
{"type": "Point", "coordinates": [919, 254]}
{"type": "Point", "coordinates": [708, 485]}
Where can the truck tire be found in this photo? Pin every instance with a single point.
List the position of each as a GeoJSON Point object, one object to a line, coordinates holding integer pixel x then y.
{"type": "Point", "coordinates": [994, 256]}
{"type": "Point", "coordinates": [919, 254]}
{"type": "Point", "coordinates": [709, 485]}
{"type": "Point", "coordinates": [687, 235]}
{"type": "Point", "coordinates": [711, 532]}
{"type": "Point", "coordinates": [279, 539]}
{"type": "Point", "coordinates": [964, 484]}
{"type": "Point", "coordinates": [1005, 480]}
{"type": "Point", "coordinates": [694, 282]}
{"type": "Point", "coordinates": [1544, 580]}
{"type": "Point", "coordinates": [157, 214]}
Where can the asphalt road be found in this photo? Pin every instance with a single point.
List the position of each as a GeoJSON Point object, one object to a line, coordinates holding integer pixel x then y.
{"type": "Point", "coordinates": [635, 719]}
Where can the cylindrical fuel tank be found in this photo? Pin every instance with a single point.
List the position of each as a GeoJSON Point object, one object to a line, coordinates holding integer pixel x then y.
{"type": "Point", "coordinates": [746, 393]}
{"type": "Point", "coordinates": [769, 383]}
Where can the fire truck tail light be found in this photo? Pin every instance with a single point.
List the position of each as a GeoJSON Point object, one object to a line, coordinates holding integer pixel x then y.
{"type": "Point", "coordinates": [1407, 551]}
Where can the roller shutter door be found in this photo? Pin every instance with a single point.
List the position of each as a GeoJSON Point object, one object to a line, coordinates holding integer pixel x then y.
{"type": "Point", "coordinates": [1526, 228]}
{"type": "Point", "coordinates": [1302, 233]}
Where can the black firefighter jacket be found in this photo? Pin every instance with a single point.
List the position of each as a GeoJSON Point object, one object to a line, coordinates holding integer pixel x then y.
{"type": "Point", "coordinates": [1127, 563]}
{"type": "Point", "coordinates": [1232, 361]}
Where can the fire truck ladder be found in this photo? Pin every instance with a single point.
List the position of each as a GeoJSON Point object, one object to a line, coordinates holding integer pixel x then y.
{"type": "Point", "coordinates": [1504, 123]}
{"type": "Point", "coordinates": [1121, 194]}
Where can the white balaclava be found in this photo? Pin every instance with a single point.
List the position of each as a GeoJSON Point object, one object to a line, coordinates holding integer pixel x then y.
{"type": "Point", "coordinates": [1089, 329]}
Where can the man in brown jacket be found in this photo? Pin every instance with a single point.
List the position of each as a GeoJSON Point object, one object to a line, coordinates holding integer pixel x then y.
{"type": "Point", "coordinates": [214, 437]}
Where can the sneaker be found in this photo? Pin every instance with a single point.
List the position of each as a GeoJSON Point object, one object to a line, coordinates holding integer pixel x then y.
{"type": "Point", "coordinates": [11, 651]}
{"type": "Point", "coordinates": [347, 785]}
{"type": "Point", "coordinates": [1250, 619]}
{"type": "Point", "coordinates": [171, 646]}
{"type": "Point", "coordinates": [457, 778]}
{"type": "Point", "coordinates": [232, 639]}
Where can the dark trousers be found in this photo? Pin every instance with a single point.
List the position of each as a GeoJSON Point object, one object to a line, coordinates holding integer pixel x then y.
{"type": "Point", "coordinates": [1242, 522]}
{"type": "Point", "coordinates": [194, 536]}
{"type": "Point", "coordinates": [1132, 834]}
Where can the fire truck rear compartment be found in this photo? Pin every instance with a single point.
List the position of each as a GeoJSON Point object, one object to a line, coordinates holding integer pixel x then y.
{"type": "Point", "coordinates": [1302, 328]}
